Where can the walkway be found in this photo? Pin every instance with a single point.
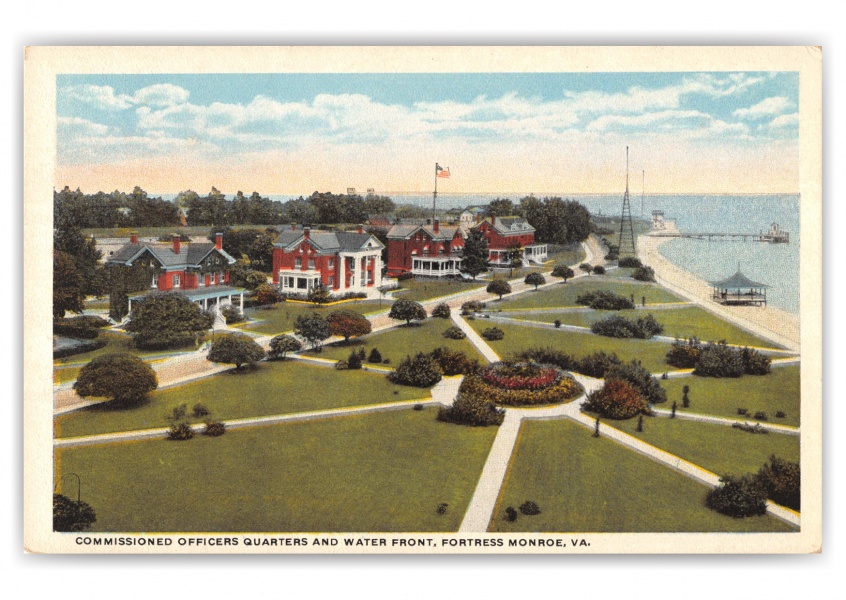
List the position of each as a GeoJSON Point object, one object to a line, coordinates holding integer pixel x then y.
{"type": "Point", "coordinates": [689, 416]}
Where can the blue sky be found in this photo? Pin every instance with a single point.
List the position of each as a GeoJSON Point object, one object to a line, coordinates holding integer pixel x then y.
{"type": "Point", "coordinates": [294, 133]}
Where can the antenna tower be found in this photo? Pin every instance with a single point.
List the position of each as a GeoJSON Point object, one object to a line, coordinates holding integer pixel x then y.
{"type": "Point", "coordinates": [627, 242]}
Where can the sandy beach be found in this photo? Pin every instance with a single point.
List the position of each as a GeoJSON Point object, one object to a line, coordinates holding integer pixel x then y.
{"type": "Point", "coordinates": [767, 322]}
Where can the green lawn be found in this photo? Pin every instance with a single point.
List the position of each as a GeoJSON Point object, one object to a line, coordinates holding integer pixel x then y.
{"type": "Point", "coordinates": [620, 273]}
{"type": "Point", "coordinates": [281, 317]}
{"type": "Point", "coordinates": [719, 448]}
{"type": "Point", "coordinates": [565, 294]}
{"type": "Point", "coordinates": [779, 390]}
{"type": "Point", "coordinates": [278, 387]}
{"type": "Point", "coordinates": [379, 472]}
{"type": "Point", "coordinates": [518, 338]}
{"type": "Point", "coordinates": [584, 484]}
{"type": "Point", "coordinates": [399, 342]}
{"type": "Point", "coordinates": [565, 255]}
{"type": "Point", "coordinates": [420, 290]}
{"type": "Point", "coordinates": [683, 322]}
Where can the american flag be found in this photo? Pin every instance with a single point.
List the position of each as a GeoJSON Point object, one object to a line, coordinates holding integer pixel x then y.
{"type": "Point", "coordinates": [441, 171]}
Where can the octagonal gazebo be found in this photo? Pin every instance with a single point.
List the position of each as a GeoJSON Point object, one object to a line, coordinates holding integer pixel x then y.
{"type": "Point", "coordinates": [739, 290]}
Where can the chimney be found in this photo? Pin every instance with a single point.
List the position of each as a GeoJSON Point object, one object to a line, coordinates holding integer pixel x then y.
{"type": "Point", "coordinates": [218, 241]}
{"type": "Point", "coordinates": [307, 233]}
{"type": "Point", "coordinates": [360, 229]}
{"type": "Point", "coordinates": [437, 226]}
{"type": "Point", "coordinates": [493, 219]}
{"type": "Point", "coordinates": [177, 243]}
{"type": "Point", "coordinates": [133, 237]}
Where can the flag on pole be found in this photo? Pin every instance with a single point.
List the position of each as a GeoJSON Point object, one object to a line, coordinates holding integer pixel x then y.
{"type": "Point", "coordinates": [441, 171]}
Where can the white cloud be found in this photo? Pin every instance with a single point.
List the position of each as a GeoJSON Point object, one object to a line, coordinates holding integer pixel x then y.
{"type": "Point", "coordinates": [161, 94]}
{"type": "Point", "coordinates": [785, 121]}
{"type": "Point", "coordinates": [77, 126]}
{"type": "Point", "coordinates": [765, 108]}
{"type": "Point", "coordinates": [101, 96]}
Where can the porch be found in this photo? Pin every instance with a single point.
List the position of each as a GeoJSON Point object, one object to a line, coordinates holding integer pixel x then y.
{"type": "Point", "coordinates": [436, 266]}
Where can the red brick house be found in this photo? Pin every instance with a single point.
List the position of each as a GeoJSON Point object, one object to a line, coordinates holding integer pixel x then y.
{"type": "Point", "coordinates": [343, 262]}
{"type": "Point", "coordinates": [429, 250]}
{"type": "Point", "coordinates": [198, 270]}
{"type": "Point", "coordinates": [503, 233]}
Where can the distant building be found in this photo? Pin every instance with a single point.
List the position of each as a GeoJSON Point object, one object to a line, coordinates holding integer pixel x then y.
{"type": "Point", "coordinates": [350, 191]}
{"type": "Point", "coordinates": [471, 217]}
{"type": "Point", "coordinates": [429, 250]}
{"type": "Point", "coordinates": [658, 219]}
{"type": "Point", "coordinates": [503, 233]}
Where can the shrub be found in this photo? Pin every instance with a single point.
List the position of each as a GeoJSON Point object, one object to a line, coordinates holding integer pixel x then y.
{"type": "Point", "coordinates": [530, 508]}
{"type": "Point", "coordinates": [236, 349]}
{"type": "Point", "coordinates": [599, 270]}
{"type": "Point", "coordinates": [215, 428]}
{"type": "Point", "coordinates": [780, 414]}
{"type": "Point", "coordinates": [549, 356]}
{"type": "Point", "coordinates": [417, 407]}
{"type": "Point", "coordinates": [266, 295]}
{"type": "Point", "coordinates": [472, 411]}
{"type": "Point", "coordinates": [782, 482]}
{"type": "Point", "coordinates": [232, 314]}
{"type": "Point", "coordinates": [756, 428]}
{"type": "Point", "coordinates": [442, 508]}
{"type": "Point", "coordinates": [612, 256]}
{"type": "Point", "coordinates": [282, 344]}
{"type": "Point", "coordinates": [511, 514]}
{"type": "Point", "coordinates": [493, 334]}
{"type": "Point", "coordinates": [644, 274]}
{"type": "Point", "coordinates": [621, 327]}
{"type": "Point", "coordinates": [441, 311]}
{"type": "Point", "coordinates": [719, 360]}
{"type": "Point", "coordinates": [68, 328]}
{"type": "Point", "coordinates": [557, 323]}
{"type": "Point", "coordinates": [356, 358]}
{"type": "Point", "coordinates": [454, 333]}
{"type": "Point", "coordinates": [313, 328]}
{"type": "Point", "coordinates": [597, 364]}
{"type": "Point", "coordinates": [630, 262]}
{"type": "Point", "coordinates": [520, 384]}
{"type": "Point", "coordinates": [602, 300]}
{"type": "Point", "coordinates": [473, 306]}
{"type": "Point", "coordinates": [79, 349]}
{"type": "Point", "coordinates": [70, 515]}
{"type": "Point", "coordinates": [617, 399]}
{"type": "Point", "coordinates": [420, 371]}
{"type": "Point", "coordinates": [199, 410]}
{"type": "Point", "coordinates": [586, 268]}
{"type": "Point", "coordinates": [760, 416]}
{"type": "Point", "coordinates": [341, 365]}
{"type": "Point", "coordinates": [742, 411]}
{"type": "Point", "coordinates": [738, 497]}
{"type": "Point", "coordinates": [685, 397]}
{"type": "Point", "coordinates": [453, 362]}
{"type": "Point", "coordinates": [683, 355]}
{"type": "Point", "coordinates": [375, 356]}
{"type": "Point", "coordinates": [177, 413]}
{"type": "Point", "coordinates": [755, 363]}
{"type": "Point", "coordinates": [180, 431]}
{"type": "Point", "coordinates": [640, 379]}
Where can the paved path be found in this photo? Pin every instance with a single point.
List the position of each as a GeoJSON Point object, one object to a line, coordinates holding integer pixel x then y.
{"type": "Point", "coordinates": [689, 416]}
{"type": "Point", "coordinates": [475, 339]}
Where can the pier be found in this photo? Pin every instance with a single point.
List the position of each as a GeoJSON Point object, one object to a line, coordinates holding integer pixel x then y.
{"type": "Point", "coordinates": [663, 229]}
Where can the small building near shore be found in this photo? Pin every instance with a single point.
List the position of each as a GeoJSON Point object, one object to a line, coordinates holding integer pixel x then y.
{"type": "Point", "coordinates": [739, 290]}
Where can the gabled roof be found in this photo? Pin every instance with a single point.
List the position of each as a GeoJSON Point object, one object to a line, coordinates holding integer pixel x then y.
{"type": "Point", "coordinates": [510, 225]}
{"type": "Point", "coordinates": [341, 241]}
{"type": "Point", "coordinates": [444, 234]}
{"type": "Point", "coordinates": [738, 281]}
{"type": "Point", "coordinates": [190, 254]}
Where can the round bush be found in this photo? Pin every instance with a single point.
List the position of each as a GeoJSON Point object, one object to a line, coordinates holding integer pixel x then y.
{"type": "Point", "coordinates": [617, 399]}
{"type": "Point", "coordinates": [738, 497]}
{"type": "Point", "coordinates": [454, 333]}
{"type": "Point", "coordinates": [420, 371]}
{"type": "Point", "coordinates": [124, 378]}
{"type": "Point", "coordinates": [520, 384]}
{"type": "Point", "coordinates": [493, 334]}
{"type": "Point", "coordinates": [471, 411]}
{"type": "Point", "coordinates": [441, 311]}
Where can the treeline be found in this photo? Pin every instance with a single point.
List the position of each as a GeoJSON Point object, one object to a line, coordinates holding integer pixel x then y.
{"type": "Point", "coordinates": [137, 209]}
{"type": "Point", "coordinates": [556, 221]}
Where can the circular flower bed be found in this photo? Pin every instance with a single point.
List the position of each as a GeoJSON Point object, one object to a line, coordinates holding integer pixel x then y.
{"type": "Point", "coordinates": [520, 384]}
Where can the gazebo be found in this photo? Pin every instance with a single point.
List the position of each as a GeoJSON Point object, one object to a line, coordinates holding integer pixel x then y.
{"type": "Point", "coordinates": [739, 290]}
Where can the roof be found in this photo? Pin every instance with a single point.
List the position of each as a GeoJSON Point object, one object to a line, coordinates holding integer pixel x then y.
{"type": "Point", "coordinates": [340, 241]}
{"type": "Point", "coordinates": [510, 225]}
{"type": "Point", "coordinates": [445, 232]}
{"type": "Point", "coordinates": [738, 281]}
{"type": "Point", "coordinates": [215, 291]}
{"type": "Point", "coordinates": [190, 254]}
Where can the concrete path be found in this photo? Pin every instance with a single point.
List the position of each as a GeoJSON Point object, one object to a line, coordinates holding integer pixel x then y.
{"type": "Point", "coordinates": [689, 416]}
{"type": "Point", "coordinates": [474, 338]}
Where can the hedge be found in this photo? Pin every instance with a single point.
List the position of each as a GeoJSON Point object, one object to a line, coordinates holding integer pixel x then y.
{"type": "Point", "coordinates": [620, 327]}
{"type": "Point", "coordinates": [475, 412]}
{"type": "Point", "coordinates": [602, 300]}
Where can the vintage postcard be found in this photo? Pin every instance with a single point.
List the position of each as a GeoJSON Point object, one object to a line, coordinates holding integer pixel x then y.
{"type": "Point", "coordinates": [554, 300]}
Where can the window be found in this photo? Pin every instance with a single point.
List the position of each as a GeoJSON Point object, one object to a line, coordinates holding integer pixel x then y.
{"type": "Point", "coordinates": [176, 281]}
{"type": "Point", "coordinates": [221, 278]}
{"type": "Point", "coordinates": [298, 263]}
{"type": "Point", "coordinates": [311, 264]}
{"type": "Point", "coordinates": [331, 263]}
{"type": "Point", "coordinates": [201, 280]}
{"type": "Point", "coordinates": [155, 282]}
{"type": "Point", "coordinates": [331, 281]}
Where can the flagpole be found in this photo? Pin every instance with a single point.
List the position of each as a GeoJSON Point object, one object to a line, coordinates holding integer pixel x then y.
{"type": "Point", "coordinates": [435, 195]}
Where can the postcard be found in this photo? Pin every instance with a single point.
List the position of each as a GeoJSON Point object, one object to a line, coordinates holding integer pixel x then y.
{"type": "Point", "coordinates": [423, 300]}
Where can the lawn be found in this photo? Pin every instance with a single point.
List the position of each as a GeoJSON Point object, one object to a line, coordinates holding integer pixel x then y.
{"type": "Point", "coordinates": [779, 390]}
{"type": "Point", "coordinates": [682, 323]}
{"type": "Point", "coordinates": [281, 317]}
{"type": "Point", "coordinates": [379, 472]}
{"type": "Point", "coordinates": [719, 448]}
{"type": "Point", "coordinates": [565, 294]}
{"type": "Point", "coordinates": [583, 484]}
{"type": "Point", "coordinates": [573, 254]}
{"type": "Point", "coordinates": [399, 342]}
{"type": "Point", "coordinates": [519, 337]}
{"type": "Point", "coordinates": [278, 387]}
{"type": "Point", "coordinates": [421, 290]}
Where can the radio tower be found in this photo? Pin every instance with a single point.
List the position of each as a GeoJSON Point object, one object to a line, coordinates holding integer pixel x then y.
{"type": "Point", "coordinates": [627, 243]}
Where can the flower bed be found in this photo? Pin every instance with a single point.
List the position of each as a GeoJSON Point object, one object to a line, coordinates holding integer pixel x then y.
{"type": "Point", "coordinates": [520, 384]}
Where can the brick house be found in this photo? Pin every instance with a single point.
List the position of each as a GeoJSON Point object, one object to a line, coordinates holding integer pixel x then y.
{"type": "Point", "coordinates": [503, 233]}
{"type": "Point", "coordinates": [200, 271]}
{"type": "Point", "coordinates": [428, 250]}
{"type": "Point", "coordinates": [343, 262]}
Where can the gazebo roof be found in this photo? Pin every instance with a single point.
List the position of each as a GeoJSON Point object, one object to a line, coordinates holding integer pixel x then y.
{"type": "Point", "coordinates": [738, 281]}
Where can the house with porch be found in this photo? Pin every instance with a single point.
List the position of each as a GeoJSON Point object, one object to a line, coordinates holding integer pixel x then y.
{"type": "Point", "coordinates": [429, 250]}
{"type": "Point", "coordinates": [503, 233]}
{"type": "Point", "coordinates": [342, 261]}
{"type": "Point", "coordinates": [199, 270]}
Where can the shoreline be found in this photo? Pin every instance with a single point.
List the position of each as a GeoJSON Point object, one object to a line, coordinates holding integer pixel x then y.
{"type": "Point", "coordinates": [770, 323]}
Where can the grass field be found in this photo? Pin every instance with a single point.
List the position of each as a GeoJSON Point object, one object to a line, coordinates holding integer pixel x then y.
{"type": "Point", "coordinates": [419, 290]}
{"type": "Point", "coordinates": [779, 390]}
{"type": "Point", "coordinates": [281, 317]}
{"type": "Point", "coordinates": [683, 322]}
{"type": "Point", "coordinates": [720, 449]}
{"type": "Point", "coordinates": [380, 472]}
{"type": "Point", "coordinates": [278, 387]}
{"type": "Point", "coordinates": [519, 337]}
{"type": "Point", "coordinates": [584, 484]}
{"type": "Point", "coordinates": [565, 294]}
{"type": "Point", "coordinates": [399, 342]}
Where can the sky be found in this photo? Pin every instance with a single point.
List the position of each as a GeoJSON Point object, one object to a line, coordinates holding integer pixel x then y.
{"type": "Point", "coordinates": [497, 133]}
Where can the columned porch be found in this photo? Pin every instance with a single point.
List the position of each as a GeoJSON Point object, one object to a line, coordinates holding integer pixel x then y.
{"type": "Point", "coordinates": [298, 282]}
{"type": "Point", "coordinates": [436, 266]}
{"type": "Point", "coordinates": [536, 253]}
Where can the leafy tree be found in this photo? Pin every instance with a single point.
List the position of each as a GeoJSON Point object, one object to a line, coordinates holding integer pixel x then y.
{"type": "Point", "coordinates": [348, 323]}
{"type": "Point", "coordinates": [644, 273]}
{"type": "Point", "coordinates": [586, 268]}
{"type": "Point", "coordinates": [556, 221]}
{"type": "Point", "coordinates": [260, 252]}
{"type": "Point", "coordinates": [266, 295]}
{"type": "Point", "coordinates": [319, 294]}
{"type": "Point", "coordinates": [282, 344]}
{"type": "Point", "coordinates": [515, 257]}
{"type": "Point", "coordinates": [475, 254]}
{"type": "Point", "coordinates": [312, 328]}
{"type": "Point", "coordinates": [67, 285]}
{"type": "Point", "coordinates": [500, 287]}
{"type": "Point", "coordinates": [72, 516]}
{"type": "Point", "coordinates": [235, 349]}
{"type": "Point", "coordinates": [563, 271]}
{"type": "Point", "coordinates": [441, 311]}
{"type": "Point", "coordinates": [167, 320]}
{"type": "Point", "coordinates": [408, 311]}
{"type": "Point", "coordinates": [501, 207]}
{"type": "Point", "coordinates": [122, 378]}
{"type": "Point", "coordinates": [535, 279]}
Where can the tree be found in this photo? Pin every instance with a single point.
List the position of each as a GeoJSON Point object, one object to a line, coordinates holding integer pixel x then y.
{"type": "Point", "coordinates": [260, 252]}
{"type": "Point", "coordinates": [313, 329]}
{"type": "Point", "coordinates": [515, 257]}
{"type": "Point", "coordinates": [266, 295]}
{"type": "Point", "coordinates": [640, 379]}
{"type": "Point", "coordinates": [586, 268]}
{"type": "Point", "coordinates": [348, 323]}
{"type": "Point", "coordinates": [71, 516]}
{"type": "Point", "coordinates": [599, 270]}
{"type": "Point", "coordinates": [67, 285]}
{"type": "Point", "coordinates": [475, 254]}
{"type": "Point", "coordinates": [442, 311]}
{"type": "Point", "coordinates": [501, 207]}
{"type": "Point", "coordinates": [782, 482]}
{"type": "Point", "coordinates": [282, 344]}
{"type": "Point", "coordinates": [122, 378]}
{"type": "Point", "coordinates": [562, 271]}
{"type": "Point", "coordinates": [235, 349]}
{"type": "Point", "coordinates": [421, 371]}
{"type": "Point", "coordinates": [738, 497]}
{"type": "Point", "coordinates": [500, 287]}
{"type": "Point", "coordinates": [408, 311]}
{"type": "Point", "coordinates": [167, 320]}
{"type": "Point", "coordinates": [319, 294]}
{"type": "Point", "coordinates": [535, 279]}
